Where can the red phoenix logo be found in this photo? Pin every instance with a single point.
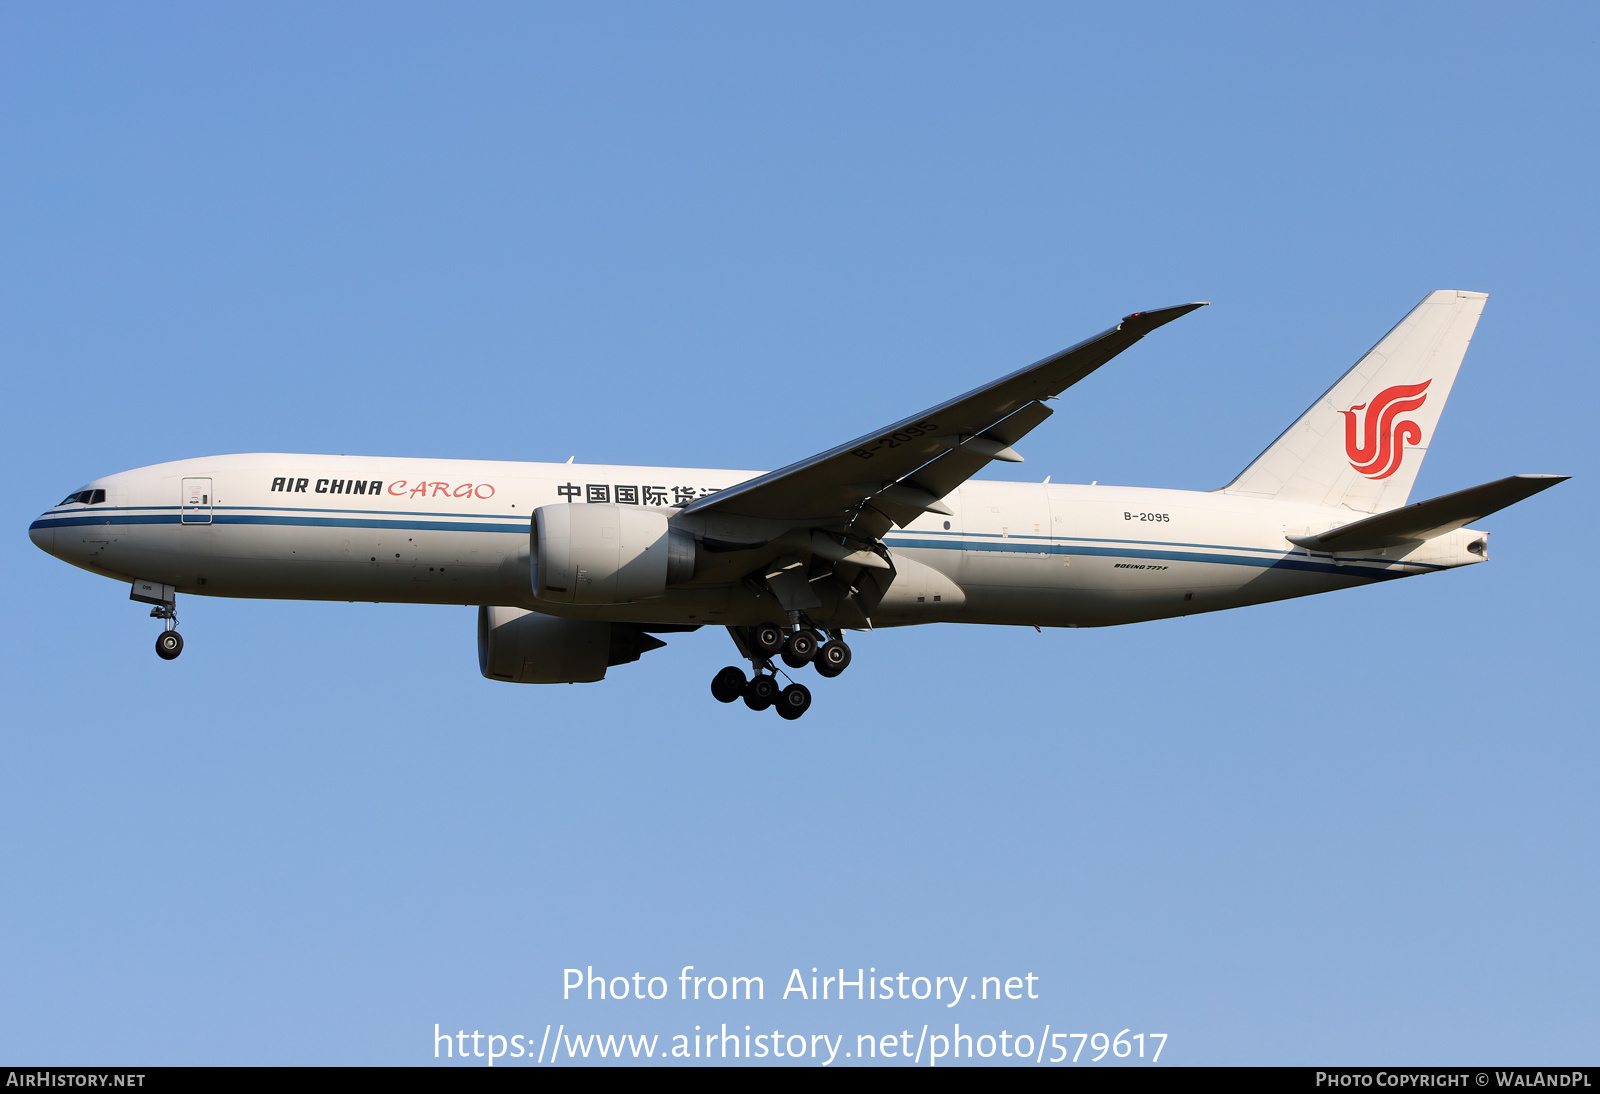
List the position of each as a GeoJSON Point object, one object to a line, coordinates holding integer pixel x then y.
{"type": "Point", "coordinates": [1377, 443]}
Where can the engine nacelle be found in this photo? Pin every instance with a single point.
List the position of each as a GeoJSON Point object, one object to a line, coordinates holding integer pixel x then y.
{"type": "Point", "coordinates": [524, 647]}
{"type": "Point", "coordinates": [606, 554]}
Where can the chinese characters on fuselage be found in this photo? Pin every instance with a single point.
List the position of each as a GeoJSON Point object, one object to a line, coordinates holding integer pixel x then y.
{"type": "Point", "coordinates": [602, 493]}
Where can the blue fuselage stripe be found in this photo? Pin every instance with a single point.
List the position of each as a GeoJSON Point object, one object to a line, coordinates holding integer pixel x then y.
{"type": "Point", "coordinates": [1349, 568]}
{"type": "Point", "coordinates": [1266, 558]}
{"type": "Point", "coordinates": [521, 528]}
{"type": "Point", "coordinates": [285, 508]}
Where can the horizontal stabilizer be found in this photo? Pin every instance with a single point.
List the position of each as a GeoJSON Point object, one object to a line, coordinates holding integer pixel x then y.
{"type": "Point", "coordinates": [1430, 518]}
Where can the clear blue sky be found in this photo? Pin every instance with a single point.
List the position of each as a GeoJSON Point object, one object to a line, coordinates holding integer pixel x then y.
{"type": "Point", "coordinates": [1353, 828]}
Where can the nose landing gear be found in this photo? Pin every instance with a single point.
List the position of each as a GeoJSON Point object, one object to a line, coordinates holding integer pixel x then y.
{"type": "Point", "coordinates": [169, 643]}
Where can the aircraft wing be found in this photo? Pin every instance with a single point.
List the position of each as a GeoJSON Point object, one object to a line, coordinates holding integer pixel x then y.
{"type": "Point", "coordinates": [902, 470]}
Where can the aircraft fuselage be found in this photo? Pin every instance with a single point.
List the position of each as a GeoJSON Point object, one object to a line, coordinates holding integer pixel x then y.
{"type": "Point", "coordinates": [426, 531]}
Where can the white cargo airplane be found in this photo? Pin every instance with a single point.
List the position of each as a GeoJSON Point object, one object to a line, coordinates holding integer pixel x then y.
{"type": "Point", "coordinates": [574, 568]}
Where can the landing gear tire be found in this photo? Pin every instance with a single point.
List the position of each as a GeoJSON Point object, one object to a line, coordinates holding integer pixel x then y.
{"type": "Point", "coordinates": [761, 692]}
{"type": "Point", "coordinates": [794, 701]}
{"type": "Point", "coordinates": [168, 645]}
{"type": "Point", "coordinates": [767, 639]}
{"type": "Point", "coordinates": [799, 648]}
{"type": "Point", "coordinates": [832, 659]}
{"type": "Point", "coordinates": [728, 685]}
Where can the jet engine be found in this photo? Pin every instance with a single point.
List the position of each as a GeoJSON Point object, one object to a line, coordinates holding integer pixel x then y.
{"type": "Point", "coordinates": [529, 648]}
{"type": "Point", "coordinates": [606, 554]}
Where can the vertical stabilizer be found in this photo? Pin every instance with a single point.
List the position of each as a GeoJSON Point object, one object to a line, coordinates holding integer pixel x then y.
{"type": "Point", "coordinates": [1360, 445]}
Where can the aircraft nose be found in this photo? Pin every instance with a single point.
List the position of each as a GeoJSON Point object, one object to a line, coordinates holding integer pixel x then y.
{"type": "Point", "coordinates": [43, 536]}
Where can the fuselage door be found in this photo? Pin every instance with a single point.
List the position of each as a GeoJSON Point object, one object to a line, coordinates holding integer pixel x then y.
{"type": "Point", "coordinates": [194, 505]}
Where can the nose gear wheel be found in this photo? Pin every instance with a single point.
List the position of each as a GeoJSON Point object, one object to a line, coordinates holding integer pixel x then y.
{"type": "Point", "coordinates": [168, 645]}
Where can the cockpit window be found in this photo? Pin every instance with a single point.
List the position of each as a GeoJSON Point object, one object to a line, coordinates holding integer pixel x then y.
{"type": "Point", "coordinates": [84, 497]}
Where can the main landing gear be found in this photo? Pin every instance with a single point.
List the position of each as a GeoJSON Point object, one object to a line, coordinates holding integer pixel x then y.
{"type": "Point", "coordinates": [797, 648]}
{"type": "Point", "coordinates": [761, 691]}
{"type": "Point", "coordinates": [169, 643]}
